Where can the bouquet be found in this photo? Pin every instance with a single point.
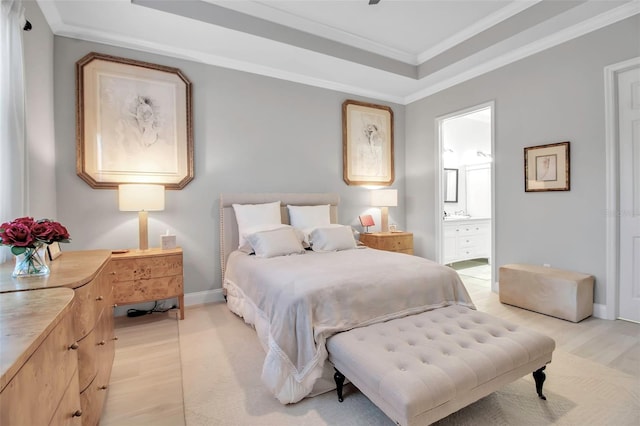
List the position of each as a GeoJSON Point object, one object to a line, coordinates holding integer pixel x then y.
{"type": "Point", "coordinates": [25, 232]}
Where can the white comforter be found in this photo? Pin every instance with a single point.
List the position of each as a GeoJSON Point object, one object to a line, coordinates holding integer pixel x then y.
{"type": "Point", "coordinates": [296, 302]}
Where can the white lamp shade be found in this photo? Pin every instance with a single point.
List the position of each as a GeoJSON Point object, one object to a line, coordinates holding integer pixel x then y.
{"type": "Point", "coordinates": [140, 197]}
{"type": "Point", "coordinates": [384, 198]}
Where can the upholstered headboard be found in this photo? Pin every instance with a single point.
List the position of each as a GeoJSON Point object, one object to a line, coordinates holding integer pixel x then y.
{"type": "Point", "coordinates": [229, 227]}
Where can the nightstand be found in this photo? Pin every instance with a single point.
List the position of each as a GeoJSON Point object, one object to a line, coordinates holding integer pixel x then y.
{"type": "Point", "coordinates": [400, 242]}
{"type": "Point", "coordinates": [147, 275]}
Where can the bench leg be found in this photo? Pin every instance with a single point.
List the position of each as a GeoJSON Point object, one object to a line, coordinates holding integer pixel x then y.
{"type": "Point", "coordinates": [539, 377]}
{"type": "Point", "coordinates": [339, 378]}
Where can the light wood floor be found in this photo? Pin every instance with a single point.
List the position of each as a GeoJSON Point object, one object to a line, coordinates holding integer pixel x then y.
{"type": "Point", "coordinates": [146, 386]}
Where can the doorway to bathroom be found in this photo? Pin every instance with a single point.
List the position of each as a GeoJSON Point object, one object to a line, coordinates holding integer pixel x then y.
{"type": "Point", "coordinates": [465, 227]}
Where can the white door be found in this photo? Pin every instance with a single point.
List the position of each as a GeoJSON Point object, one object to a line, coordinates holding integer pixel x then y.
{"type": "Point", "coordinates": [629, 134]}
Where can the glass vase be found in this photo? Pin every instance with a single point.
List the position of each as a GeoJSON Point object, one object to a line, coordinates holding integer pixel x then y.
{"type": "Point", "coordinates": [30, 264]}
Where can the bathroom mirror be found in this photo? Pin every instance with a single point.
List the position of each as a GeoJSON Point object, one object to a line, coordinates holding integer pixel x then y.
{"type": "Point", "coordinates": [450, 182]}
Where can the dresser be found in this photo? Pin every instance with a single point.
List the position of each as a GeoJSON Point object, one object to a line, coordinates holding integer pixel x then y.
{"type": "Point", "coordinates": [90, 323]}
{"type": "Point", "coordinates": [466, 239]}
{"type": "Point", "coordinates": [38, 359]}
{"type": "Point", "coordinates": [400, 242]}
{"type": "Point", "coordinates": [147, 275]}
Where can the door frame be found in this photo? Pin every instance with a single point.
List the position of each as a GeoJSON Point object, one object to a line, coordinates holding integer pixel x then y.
{"type": "Point", "coordinates": [439, 182]}
{"type": "Point", "coordinates": [612, 172]}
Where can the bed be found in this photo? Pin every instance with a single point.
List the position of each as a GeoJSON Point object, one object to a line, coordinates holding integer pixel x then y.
{"type": "Point", "coordinates": [297, 301]}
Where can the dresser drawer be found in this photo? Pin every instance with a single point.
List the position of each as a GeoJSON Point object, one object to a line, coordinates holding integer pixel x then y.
{"type": "Point", "coordinates": [468, 241]}
{"type": "Point", "coordinates": [145, 268]}
{"type": "Point", "coordinates": [470, 229]}
{"type": "Point", "coordinates": [400, 242]}
{"type": "Point", "coordinates": [69, 411]}
{"type": "Point", "coordinates": [87, 359]}
{"type": "Point", "coordinates": [90, 300]}
{"type": "Point", "coordinates": [91, 400]}
{"type": "Point", "coordinates": [43, 378]}
{"type": "Point", "coordinates": [147, 289]}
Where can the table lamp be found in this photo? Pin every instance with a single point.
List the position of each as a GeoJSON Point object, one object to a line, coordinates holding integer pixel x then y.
{"type": "Point", "coordinates": [384, 198]}
{"type": "Point", "coordinates": [141, 198]}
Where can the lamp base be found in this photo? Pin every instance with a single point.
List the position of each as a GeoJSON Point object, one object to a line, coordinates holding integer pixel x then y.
{"type": "Point", "coordinates": [143, 237]}
{"type": "Point", "coordinates": [384, 219]}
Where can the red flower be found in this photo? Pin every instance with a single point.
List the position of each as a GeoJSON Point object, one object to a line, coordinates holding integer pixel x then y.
{"type": "Point", "coordinates": [61, 233]}
{"type": "Point", "coordinates": [43, 230]}
{"type": "Point", "coordinates": [16, 234]}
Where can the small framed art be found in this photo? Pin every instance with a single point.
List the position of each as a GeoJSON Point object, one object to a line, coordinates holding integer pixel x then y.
{"type": "Point", "coordinates": [54, 251]}
{"type": "Point", "coordinates": [546, 167]}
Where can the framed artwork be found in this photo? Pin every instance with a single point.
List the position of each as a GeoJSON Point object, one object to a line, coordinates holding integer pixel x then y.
{"type": "Point", "coordinates": [367, 144]}
{"type": "Point", "coordinates": [133, 123]}
{"type": "Point", "coordinates": [546, 167]}
{"type": "Point", "coordinates": [53, 251]}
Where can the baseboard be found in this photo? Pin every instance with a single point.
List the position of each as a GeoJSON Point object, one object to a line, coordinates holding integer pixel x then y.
{"type": "Point", "coordinates": [202, 297]}
{"type": "Point", "coordinates": [600, 311]}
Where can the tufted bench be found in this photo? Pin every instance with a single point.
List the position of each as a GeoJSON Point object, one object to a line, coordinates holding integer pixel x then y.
{"type": "Point", "coordinates": [421, 368]}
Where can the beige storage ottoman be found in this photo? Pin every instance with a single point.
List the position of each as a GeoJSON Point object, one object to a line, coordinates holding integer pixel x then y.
{"type": "Point", "coordinates": [562, 294]}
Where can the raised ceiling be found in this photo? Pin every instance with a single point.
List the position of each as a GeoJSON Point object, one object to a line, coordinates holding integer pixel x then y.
{"type": "Point", "coordinates": [397, 51]}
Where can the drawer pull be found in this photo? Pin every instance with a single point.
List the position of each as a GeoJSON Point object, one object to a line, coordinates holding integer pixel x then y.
{"type": "Point", "coordinates": [99, 298]}
{"type": "Point", "coordinates": [113, 272]}
{"type": "Point", "coordinates": [103, 387]}
{"type": "Point", "coordinates": [115, 337]}
{"type": "Point", "coordinates": [102, 343]}
{"type": "Point", "coordinates": [74, 346]}
{"type": "Point", "coordinates": [77, 413]}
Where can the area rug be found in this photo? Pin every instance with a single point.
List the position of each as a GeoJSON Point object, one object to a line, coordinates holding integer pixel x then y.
{"type": "Point", "coordinates": [222, 361]}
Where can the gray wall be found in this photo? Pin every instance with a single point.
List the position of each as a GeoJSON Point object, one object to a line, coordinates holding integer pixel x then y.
{"type": "Point", "coordinates": [554, 96]}
{"type": "Point", "coordinates": [251, 134]}
{"type": "Point", "coordinates": [41, 156]}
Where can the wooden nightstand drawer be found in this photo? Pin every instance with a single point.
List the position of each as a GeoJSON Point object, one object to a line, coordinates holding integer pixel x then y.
{"type": "Point", "coordinates": [145, 268]}
{"type": "Point", "coordinates": [147, 289]}
{"type": "Point", "coordinates": [401, 242]}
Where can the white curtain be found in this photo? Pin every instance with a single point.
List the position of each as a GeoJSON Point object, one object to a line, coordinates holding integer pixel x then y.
{"type": "Point", "coordinates": [13, 185]}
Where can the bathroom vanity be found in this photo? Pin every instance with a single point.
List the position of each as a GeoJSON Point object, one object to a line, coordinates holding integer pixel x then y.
{"type": "Point", "coordinates": [466, 238]}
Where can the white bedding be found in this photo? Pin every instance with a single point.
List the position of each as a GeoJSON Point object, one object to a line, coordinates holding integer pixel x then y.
{"type": "Point", "coordinates": [296, 302]}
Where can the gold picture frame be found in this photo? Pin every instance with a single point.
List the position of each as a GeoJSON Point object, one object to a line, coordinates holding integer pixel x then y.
{"type": "Point", "coordinates": [367, 144]}
{"type": "Point", "coordinates": [133, 123]}
{"type": "Point", "coordinates": [546, 167]}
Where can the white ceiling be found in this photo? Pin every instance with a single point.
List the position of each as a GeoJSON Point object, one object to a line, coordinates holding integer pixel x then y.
{"type": "Point", "coordinates": [397, 50]}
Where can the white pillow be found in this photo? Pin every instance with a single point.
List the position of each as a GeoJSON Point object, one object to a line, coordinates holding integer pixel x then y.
{"type": "Point", "coordinates": [309, 216]}
{"type": "Point", "coordinates": [246, 247]}
{"type": "Point", "coordinates": [276, 242]}
{"type": "Point", "coordinates": [306, 232]}
{"type": "Point", "coordinates": [332, 239]}
{"type": "Point", "coordinates": [252, 215]}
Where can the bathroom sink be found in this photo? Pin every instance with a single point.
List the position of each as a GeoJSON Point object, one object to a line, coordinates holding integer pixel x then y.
{"type": "Point", "coordinates": [456, 217]}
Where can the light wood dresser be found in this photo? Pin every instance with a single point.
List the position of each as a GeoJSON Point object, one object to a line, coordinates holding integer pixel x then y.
{"type": "Point", "coordinates": [90, 323]}
{"type": "Point", "coordinates": [400, 242]}
{"type": "Point", "coordinates": [147, 275]}
{"type": "Point", "coordinates": [38, 361]}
